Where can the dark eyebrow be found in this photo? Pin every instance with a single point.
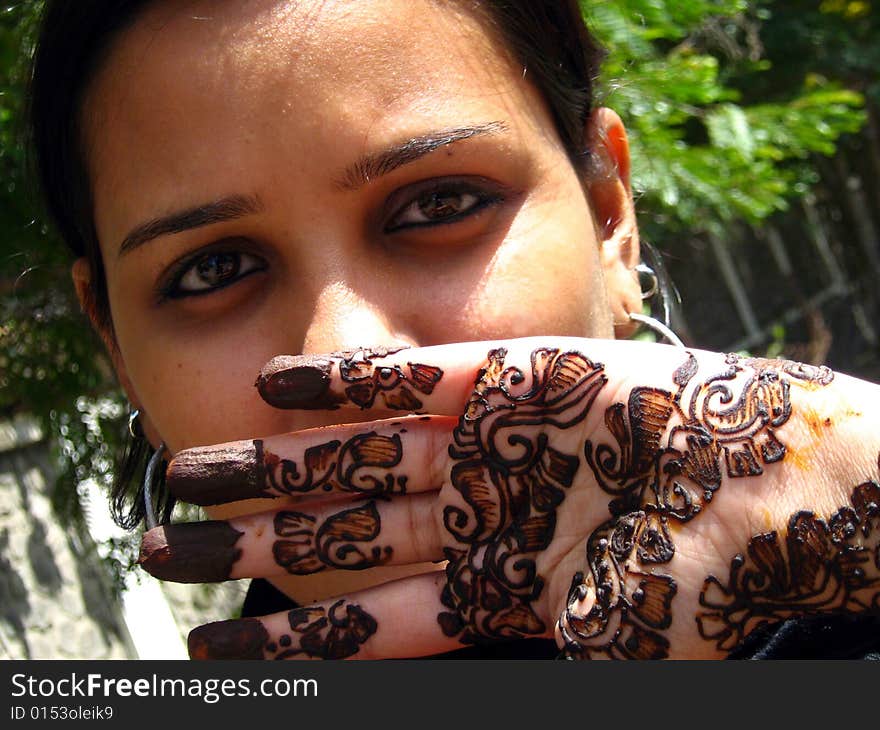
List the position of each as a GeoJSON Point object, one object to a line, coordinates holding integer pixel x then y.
{"type": "Point", "coordinates": [381, 163]}
{"type": "Point", "coordinates": [225, 209]}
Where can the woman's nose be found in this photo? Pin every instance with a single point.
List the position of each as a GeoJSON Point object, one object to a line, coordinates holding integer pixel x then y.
{"type": "Point", "coordinates": [344, 320]}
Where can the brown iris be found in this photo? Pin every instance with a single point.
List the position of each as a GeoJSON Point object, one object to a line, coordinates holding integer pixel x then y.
{"type": "Point", "coordinates": [218, 268]}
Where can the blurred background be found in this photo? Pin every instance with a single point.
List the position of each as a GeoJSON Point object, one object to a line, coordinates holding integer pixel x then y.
{"type": "Point", "coordinates": [755, 133]}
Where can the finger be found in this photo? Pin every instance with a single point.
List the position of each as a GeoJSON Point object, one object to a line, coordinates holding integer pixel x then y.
{"type": "Point", "coordinates": [439, 380]}
{"type": "Point", "coordinates": [368, 459]}
{"type": "Point", "coordinates": [469, 379]}
{"type": "Point", "coordinates": [336, 536]}
{"type": "Point", "coordinates": [394, 620]}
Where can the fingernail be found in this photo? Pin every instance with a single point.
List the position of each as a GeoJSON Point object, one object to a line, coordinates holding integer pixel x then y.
{"type": "Point", "coordinates": [301, 382]}
{"type": "Point", "coordinates": [235, 639]}
{"type": "Point", "coordinates": [214, 475]}
{"type": "Point", "coordinates": [198, 552]}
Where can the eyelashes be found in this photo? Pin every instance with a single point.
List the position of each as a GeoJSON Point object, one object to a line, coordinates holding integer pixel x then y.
{"type": "Point", "coordinates": [440, 202]}
{"type": "Point", "coordinates": [208, 271]}
{"type": "Point", "coordinates": [427, 205]}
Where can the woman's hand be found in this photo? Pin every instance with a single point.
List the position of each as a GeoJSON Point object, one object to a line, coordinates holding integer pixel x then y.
{"type": "Point", "coordinates": [633, 500]}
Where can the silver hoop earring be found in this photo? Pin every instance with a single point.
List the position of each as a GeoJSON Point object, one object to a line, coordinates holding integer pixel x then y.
{"type": "Point", "coordinates": [149, 509]}
{"type": "Point", "coordinates": [135, 427]}
{"type": "Point", "coordinates": [658, 327]}
{"type": "Point", "coordinates": [647, 271]}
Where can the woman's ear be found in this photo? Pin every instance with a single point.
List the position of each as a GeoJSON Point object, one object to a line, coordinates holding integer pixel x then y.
{"type": "Point", "coordinates": [81, 274]}
{"type": "Point", "coordinates": [608, 187]}
{"type": "Point", "coordinates": [85, 292]}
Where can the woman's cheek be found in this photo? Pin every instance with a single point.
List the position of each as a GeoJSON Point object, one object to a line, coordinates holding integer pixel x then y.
{"type": "Point", "coordinates": [199, 388]}
{"type": "Point", "coordinates": [533, 289]}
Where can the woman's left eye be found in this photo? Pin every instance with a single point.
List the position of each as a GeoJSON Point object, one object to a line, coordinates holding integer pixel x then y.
{"type": "Point", "coordinates": [210, 272]}
{"type": "Point", "coordinates": [439, 204]}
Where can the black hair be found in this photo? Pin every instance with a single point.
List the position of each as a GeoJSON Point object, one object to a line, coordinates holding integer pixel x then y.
{"type": "Point", "coordinates": [549, 38]}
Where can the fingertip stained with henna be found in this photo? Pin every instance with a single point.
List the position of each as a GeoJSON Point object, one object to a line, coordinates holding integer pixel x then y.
{"type": "Point", "coordinates": [235, 639]}
{"type": "Point", "coordinates": [301, 382]}
{"type": "Point", "coordinates": [209, 475]}
{"type": "Point", "coordinates": [201, 552]}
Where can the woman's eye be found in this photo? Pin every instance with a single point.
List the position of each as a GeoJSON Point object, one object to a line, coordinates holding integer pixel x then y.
{"type": "Point", "coordinates": [440, 205]}
{"type": "Point", "coordinates": [210, 272]}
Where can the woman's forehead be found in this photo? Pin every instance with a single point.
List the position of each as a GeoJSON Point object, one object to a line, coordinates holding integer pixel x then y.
{"type": "Point", "coordinates": [189, 101]}
{"type": "Point", "coordinates": [376, 50]}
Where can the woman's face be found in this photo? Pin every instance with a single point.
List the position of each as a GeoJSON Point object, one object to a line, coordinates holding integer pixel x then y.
{"type": "Point", "coordinates": [314, 176]}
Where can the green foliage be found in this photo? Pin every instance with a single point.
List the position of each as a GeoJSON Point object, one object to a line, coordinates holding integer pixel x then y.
{"type": "Point", "coordinates": [703, 153]}
{"type": "Point", "coordinates": [51, 363]}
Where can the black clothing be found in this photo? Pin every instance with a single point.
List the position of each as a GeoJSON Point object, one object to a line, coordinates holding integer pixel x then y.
{"type": "Point", "coordinates": [823, 637]}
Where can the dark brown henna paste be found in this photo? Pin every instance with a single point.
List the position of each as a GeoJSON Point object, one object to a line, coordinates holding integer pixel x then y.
{"type": "Point", "coordinates": [209, 475]}
{"type": "Point", "coordinates": [511, 482]}
{"type": "Point", "coordinates": [304, 549]}
{"type": "Point", "coordinates": [673, 448]}
{"type": "Point", "coordinates": [305, 382]}
{"type": "Point", "coordinates": [236, 639]}
{"type": "Point", "coordinates": [365, 464]}
{"type": "Point", "coordinates": [336, 633]}
{"type": "Point", "coordinates": [301, 382]}
{"type": "Point", "coordinates": [819, 567]}
{"type": "Point", "coordinates": [317, 633]}
{"type": "Point", "coordinates": [200, 552]}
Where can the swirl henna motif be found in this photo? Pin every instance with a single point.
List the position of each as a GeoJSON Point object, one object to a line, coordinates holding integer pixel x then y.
{"type": "Point", "coordinates": [734, 414]}
{"type": "Point", "coordinates": [303, 549]}
{"type": "Point", "coordinates": [622, 623]}
{"type": "Point", "coordinates": [819, 567]}
{"type": "Point", "coordinates": [673, 448]}
{"type": "Point", "coordinates": [364, 464]}
{"type": "Point", "coordinates": [510, 481]}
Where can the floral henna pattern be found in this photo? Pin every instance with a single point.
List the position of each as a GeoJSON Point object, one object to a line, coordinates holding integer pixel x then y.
{"type": "Point", "coordinates": [510, 481]}
{"type": "Point", "coordinates": [818, 567]}
{"type": "Point", "coordinates": [339, 542]}
{"type": "Point", "coordinates": [364, 464]}
{"type": "Point", "coordinates": [319, 633]}
{"type": "Point", "coordinates": [673, 449]}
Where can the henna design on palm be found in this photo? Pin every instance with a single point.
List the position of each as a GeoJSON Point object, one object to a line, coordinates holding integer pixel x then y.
{"type": "Point", "coordinates": [510, 481]}
{"type": "Point", "coordinates": [620, 609]}
{"type": "Point", "coordinates": [734, 414]}
{"type": "Point", "coordinates": [724, 424]}
{"type": "Point", "coordinates": [819, 567]}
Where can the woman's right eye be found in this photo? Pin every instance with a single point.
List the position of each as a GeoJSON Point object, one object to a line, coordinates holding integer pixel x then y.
{"type": "Point", "coordinates": [209, 272]}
